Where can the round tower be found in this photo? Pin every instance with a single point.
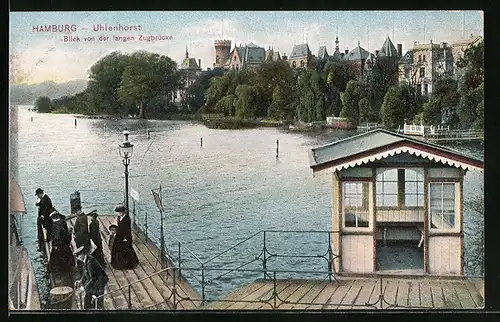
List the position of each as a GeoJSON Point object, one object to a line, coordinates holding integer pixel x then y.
{"type": "Point", "coordinates": [222, 52]}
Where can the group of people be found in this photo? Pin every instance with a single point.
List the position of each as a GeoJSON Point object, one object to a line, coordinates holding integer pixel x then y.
{"type": "Point", "coordinates": [85, 243]}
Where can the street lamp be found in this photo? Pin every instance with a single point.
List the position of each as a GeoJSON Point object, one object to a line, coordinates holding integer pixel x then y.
{"type": "Point", "coordinates": [126, 151]}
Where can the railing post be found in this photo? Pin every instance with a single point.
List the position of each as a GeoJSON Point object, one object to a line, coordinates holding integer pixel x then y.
{"type": "Point", "coordinates": [275, 294]}
{"type": "Point", "coordinates": [94, 300]}
{"type": "Point", "coordinates": [146, 232]}
{"type": "Point", "coordinates": [129, 298]}
{"type": "Point", "coordinates": [264, 262]}
{"type": "Point", "coordinates": [180, 263]}
{"type": "Point", "coordinates": [175, 289]}
{"type": "Point", "coordinates": [330, 257]}
{"type": "Point", "coordinates": [202, 284]}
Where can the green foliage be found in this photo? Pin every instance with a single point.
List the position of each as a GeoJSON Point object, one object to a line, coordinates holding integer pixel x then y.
{"type": "Point", "coordinates": [245, 107]}
{"type": "Point", "coordinates": [350, 100]}
{"type": "Point", "coordinates": [42, 104]}
{"type": "Point", "coordinates": [467, 108]}
{"type": "Point", "coordinates": [444, 95]}
{"type": "Point", "coordinates": [400, 106]}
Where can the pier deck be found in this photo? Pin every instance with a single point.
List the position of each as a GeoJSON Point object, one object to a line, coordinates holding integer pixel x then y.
{"type": "Point", "coordinates": [152, 293]}
{"type": "Point", "coordinates": [355, 293]}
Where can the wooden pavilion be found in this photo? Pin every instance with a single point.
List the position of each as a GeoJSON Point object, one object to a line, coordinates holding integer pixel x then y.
{"type": "Point", "coordinates": [388, 188]}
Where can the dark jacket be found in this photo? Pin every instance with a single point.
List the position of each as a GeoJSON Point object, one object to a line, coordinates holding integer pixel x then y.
{"type": "Point", "coordinates": [82, 236]}
{"type": "Point", "coordinates": [95, 235]}
{"type": "Point", "coordinates": [123, 255]}
{"type": "Point", "coordinates": [94, 277]}
{"type": "Point", "coordinates": [61, 256]}
{"type": "Point", "coordinates": [44, 207]}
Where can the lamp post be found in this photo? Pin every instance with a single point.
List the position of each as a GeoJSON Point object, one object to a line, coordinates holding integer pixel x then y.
{"type": "Point", "coordinates": [126, 150]}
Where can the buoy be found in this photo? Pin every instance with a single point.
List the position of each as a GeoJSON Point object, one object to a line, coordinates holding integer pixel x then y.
{"type": "Point", "coordinates": [61, 297]}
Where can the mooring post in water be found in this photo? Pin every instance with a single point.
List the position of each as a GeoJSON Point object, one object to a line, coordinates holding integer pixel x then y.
{"type": "Point", "coordinates": [277, 148]}
{"type": "Point", "coordinates": [201, 142]}
{"type": "Point", "coordinates": [104, 127]}
{"type": "Point", "coordinates": [149, 134]}
{"type": "Point", "coordinates": [75, 123]}
{"type": "Point", "coordinates": [32, 119]}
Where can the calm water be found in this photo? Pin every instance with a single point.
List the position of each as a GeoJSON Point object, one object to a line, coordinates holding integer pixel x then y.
{"type": "Point", "coordinates": [214, 196]}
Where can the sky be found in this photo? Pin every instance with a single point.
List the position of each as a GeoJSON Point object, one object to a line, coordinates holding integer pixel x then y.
{"type": "Point", "coordinates": [43, 56]}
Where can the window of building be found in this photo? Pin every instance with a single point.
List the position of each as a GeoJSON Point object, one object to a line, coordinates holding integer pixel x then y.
{"type": "Point", "coordinates": [217, 59]}
{"type": "Point", "coordinates": [387, 188]}
{"type": "Point", "coordinates": [414, 188]}
{"type": "Point", "coordinates": [426, 89]}
{"type": "Point", "coordinates": [442, 205]}
{"type": "Point", "coordinates": [302, 63]}
{"type": "Point", "coordinates": [294, 64]}
{"type": "Point", "coordinates": [422, 72]}
{"type": "Point", "coordinates": [423, 58]}
{"type": "Point", "coordinates": [233, 66]}
{"type": "Point", "coordinates": [355, 204]}
{"type": "Point", "coordinates": [400, 188]}
{"type": "Point", "coordinates": [419, 58]}
{"type": "Point", "coordinates": [237, 66]}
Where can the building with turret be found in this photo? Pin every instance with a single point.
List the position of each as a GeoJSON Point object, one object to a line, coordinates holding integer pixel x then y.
{"type": "Point", "coordinates": [356, 59]}
{"type": "Point", "coordinates": [222, 52]}
{"type": "Point", "coordinates": [425, 64]}
{"type": "Point", "coordinates": [272, 55]}
{"type": "Point", "coordinates": [248, 56]}
{"type": "Point", "coordinates": [190, 71]}
{"type": "Point", "coordinates": [300, 57]}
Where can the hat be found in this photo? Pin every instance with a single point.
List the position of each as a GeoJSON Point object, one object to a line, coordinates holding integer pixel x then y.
{"type": "Point", "coordinates": [112, 226]}
{"type": "Point", "coordinates": [37, 191]}
{"type": "Point", "coordinates": [93, 214]}
{"type": "Point", "coordinates": [80, 213]}
{"type": "Point", "coordinates": [120, 208]}
{"type": "Point", "coordinates": [79, 250]}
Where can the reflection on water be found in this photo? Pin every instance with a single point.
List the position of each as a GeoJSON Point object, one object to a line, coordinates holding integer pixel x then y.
{"type": "Point", "coordinates": [214, 195]}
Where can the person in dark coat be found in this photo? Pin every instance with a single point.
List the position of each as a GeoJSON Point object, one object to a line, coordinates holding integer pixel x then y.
{"type": "Point", "coordinates": [61, 255]}
{"type": "Point", "coordinates": [94, 278]}
{"type": "Point", "coordinates": [82, 235]}
{"type": "Point", "coordinates": [44, 205]}
{"type": "Point", "coordinates": [95, 235]}
{"type": "Point", "coordinates": [112, 232]}
{"type": "Point", "coordinates": [123, 255]}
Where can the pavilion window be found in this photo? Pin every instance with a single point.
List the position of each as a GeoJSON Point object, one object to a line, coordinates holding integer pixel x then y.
{"type": "Point", "coordinates": [442, 205]}
{"type": "Point", "coordinates": [414, 188]}
{"type": "Point", "coordinates": [355, 204]}
{"type": "Point", "coordinates": [387, 188]}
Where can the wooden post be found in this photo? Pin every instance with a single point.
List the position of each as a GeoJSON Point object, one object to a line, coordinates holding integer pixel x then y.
{"type": "Point", "coordinates": [426, 220]}
{"type": "Point", "coordinates": [277, 148]}
{"type": "Point", "coordinates": [201, 142]}
{"type": "Point", "coordinates": [149, 134]}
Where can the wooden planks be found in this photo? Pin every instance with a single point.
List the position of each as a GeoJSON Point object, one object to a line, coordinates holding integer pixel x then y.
{"type": "Point", "coordinates": [356, 293]}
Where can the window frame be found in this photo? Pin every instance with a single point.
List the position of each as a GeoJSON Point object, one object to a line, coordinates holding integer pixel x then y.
{"type": "Point", "coordinates": [456, 206]}
{"type": "Point", "coordinates": [365, 207]}
{"type": "Point", "coordinates": [401, 189]}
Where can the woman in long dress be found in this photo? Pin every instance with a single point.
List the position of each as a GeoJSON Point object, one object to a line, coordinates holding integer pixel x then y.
{"type": "Point", "coordinates": [123, 255]}
{"type": "Point", "coordinates": [61, 256]}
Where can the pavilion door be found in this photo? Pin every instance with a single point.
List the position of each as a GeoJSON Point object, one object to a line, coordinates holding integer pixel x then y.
{"type": "Point", "coordinates": [444, 237]}
{"type": "Point", "coordinates": [357, 238]}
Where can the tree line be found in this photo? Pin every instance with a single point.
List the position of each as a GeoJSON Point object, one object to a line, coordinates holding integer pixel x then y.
{"type": "Point", "coordinates": [122, 84]}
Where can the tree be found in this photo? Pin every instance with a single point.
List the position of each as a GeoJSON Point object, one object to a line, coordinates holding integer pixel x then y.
{"type": "Point", "coordinates": [148, 75]}
{"type": "Point", "coordinates": [350, 101]}
{"type": "Point", "coordinates": [400, 105]}
{"type": "Point", "coordinates": [104, 80]}
{"type": "Point", "coordinates": [244, 102]}
{"type": "Point", "coordinates": [444, 96]}
{"type": "Point", "coordinates": [337, 74]}
{"type": "Point", "coordinates": [468, 106]}
{"type": "Point", "coordinates": [42, 104]}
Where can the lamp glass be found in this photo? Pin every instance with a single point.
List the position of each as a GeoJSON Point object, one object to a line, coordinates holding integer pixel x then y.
{"type": "Point", "coordinates": [126, 149]}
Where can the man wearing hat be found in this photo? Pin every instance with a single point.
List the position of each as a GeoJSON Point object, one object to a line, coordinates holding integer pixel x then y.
{"type": "Point", "coordinates": [44, 205]}
{"type": "Point", "coordinates": [93, 280]}
{"type": "Point", "coordinates": [61, 257]}
{"type": "Point", "coordinates": [95, 236]}
{"type": "Point", "coordinates": [81, 229]}
{"type": "Point", "coordinates": [123, 255]}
